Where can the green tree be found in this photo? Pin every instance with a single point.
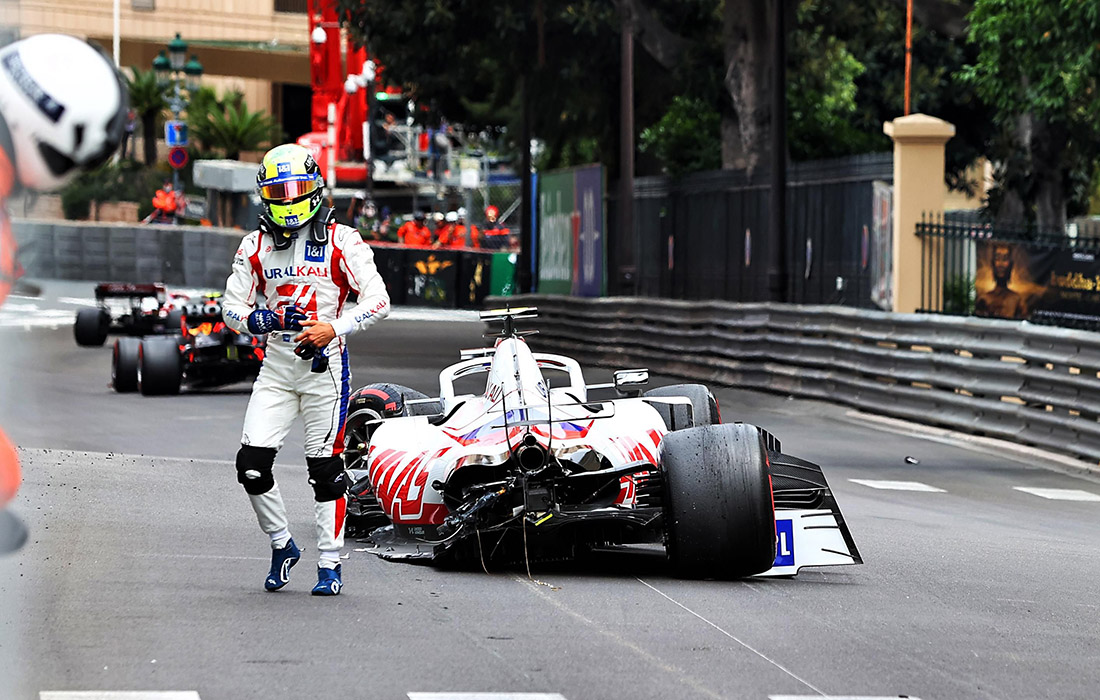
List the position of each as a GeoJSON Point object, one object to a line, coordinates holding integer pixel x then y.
{"type": "Point", "coordinates": [821, 91]}
{"type": "Point", "coordinates": [470, 62]}
{"type": "Point", "coordinates": [473, 64]}
{"type": "Point", "coordinates": [203, 101]}
{"type": "Point", "coordinates": [148, 101]}
{"type": "Point", "coordinates": [686, 138]}
{"type": "Point", "coordinates": [1038, 66]}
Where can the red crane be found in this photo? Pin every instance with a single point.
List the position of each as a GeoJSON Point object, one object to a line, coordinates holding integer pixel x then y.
{"type": "Point", "coordinates": [338, 111]}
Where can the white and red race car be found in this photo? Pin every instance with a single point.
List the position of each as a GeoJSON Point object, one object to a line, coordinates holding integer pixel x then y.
{"type": "Point", "coordinates": [534, 467]}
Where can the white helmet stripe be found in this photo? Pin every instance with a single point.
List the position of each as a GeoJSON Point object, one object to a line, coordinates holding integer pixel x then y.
{"type": "Point", "coordinates": [14, 67]}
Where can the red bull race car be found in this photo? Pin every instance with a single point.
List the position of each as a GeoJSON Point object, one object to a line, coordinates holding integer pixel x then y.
{"type": "Point", "coordinates": [536, 467]}
{"type": "Point", "coordinates": [202, 353]}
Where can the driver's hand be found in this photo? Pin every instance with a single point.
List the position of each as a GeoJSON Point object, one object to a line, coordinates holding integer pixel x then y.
{"type": "Point", "coordinates": [318, 333]}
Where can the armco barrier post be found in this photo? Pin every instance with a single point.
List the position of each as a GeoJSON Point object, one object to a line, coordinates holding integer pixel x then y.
{"type": "Point", "coordinates": [919, 142]}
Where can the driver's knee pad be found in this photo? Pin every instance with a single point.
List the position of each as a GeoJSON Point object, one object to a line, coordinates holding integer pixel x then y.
{"type": "Point", "coordinates": [254, 469]}
{"type": "Point", "coordinates": [326, 476]}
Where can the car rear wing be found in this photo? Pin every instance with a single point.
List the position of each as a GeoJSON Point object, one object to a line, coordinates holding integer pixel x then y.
{"type": "Point", "coordinates": [117, 290]}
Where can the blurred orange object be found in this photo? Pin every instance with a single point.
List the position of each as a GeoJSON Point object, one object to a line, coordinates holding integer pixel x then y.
{"type": "Point", "coordinates": [10, 477]}
{"type": "Point", "coordinates": [165, 201]}
{"type": "Point", "coordinates": [9, 266]}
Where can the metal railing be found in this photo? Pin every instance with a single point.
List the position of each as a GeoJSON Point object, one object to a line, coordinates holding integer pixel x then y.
{"type": "Point", "coordinates": [957, 253]}
{"type": "Point", "coordinates": [1035, 385]}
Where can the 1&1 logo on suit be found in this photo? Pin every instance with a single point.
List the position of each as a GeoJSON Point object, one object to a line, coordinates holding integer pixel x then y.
{"type": "Point", "coordinates": [315, 252]}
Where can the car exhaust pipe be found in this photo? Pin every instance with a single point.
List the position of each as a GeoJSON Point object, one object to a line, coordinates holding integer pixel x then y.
{"type": "Point", "coordinates": [530, 454]}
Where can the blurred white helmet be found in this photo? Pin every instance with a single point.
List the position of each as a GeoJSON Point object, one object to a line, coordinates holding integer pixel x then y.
{"type": "Point", "coordinates": [462, 212]}
{"type": "Point", "coordinates": [452, 217]}
{"type": "Point", "coordinates": [65, 107]}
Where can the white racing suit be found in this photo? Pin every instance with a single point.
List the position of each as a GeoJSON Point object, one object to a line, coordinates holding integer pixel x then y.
{"type": "Point", "coordinates": [317, 278]}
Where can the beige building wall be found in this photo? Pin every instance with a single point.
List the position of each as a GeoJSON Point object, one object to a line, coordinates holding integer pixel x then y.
{"type": "Point", "coordinates": [235, 20]}
{"type": "Point", "coordinates": [242, 44]}
{"type": "Point", "coordinates": [257, 93]}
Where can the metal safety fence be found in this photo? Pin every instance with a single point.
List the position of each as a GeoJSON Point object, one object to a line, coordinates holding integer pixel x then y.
{"type": "Point", "coordinates": [971, 267]}
{"type": "Point", "coordinates": [1033, 385]}
{"type": "Point", "coordinates": [707, 235]}
{"type": "Point", "coordinates": [200, 256]}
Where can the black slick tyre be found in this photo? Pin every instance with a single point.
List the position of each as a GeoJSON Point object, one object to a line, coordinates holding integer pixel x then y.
{"type": "Point", "coordinates": [719, 517]}
{"type": "Point", "coordinates": [124, 364]}
{"type": "Point", "coordinates": [91, 327]}
{"type": "Point", "coordinates": [704, 406]}
{"type": "Point", "coordinates": [160, 368]}
{"type": "Point", "coordinates": [373, 402]}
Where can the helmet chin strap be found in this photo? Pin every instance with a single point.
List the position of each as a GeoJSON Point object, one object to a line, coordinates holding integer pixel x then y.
{"type": "Point", "coordinates": [318, 229]}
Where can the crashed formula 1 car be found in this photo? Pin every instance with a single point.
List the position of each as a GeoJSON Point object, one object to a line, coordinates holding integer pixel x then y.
{"type": "Point", "coordinates": [536, 469]}
{"type": "Point", "coordinates": [202, 353]}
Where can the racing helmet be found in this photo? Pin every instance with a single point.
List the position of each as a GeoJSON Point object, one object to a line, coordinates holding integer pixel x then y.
{"type": "Point", "coordinates": [64, 105]}
{"type": "Point", "coordinates": [291, 187]}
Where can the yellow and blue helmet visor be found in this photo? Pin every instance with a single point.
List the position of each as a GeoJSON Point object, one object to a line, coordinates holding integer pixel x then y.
{"type": "Point", "coordinates": [291, 200]}
{"type": "Point", "coordinates": [289, 187]}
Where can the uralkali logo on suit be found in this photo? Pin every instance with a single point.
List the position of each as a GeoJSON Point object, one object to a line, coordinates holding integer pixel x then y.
{"type": "Point", "coordinates": [290, 271]}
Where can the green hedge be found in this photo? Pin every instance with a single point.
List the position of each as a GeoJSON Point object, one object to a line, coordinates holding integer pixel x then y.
{"type": "Point", "coordinates": [125, 181]}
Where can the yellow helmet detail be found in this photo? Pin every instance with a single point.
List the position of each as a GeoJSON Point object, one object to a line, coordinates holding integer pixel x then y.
{"type": "Point", "coordinates": [291, 187]}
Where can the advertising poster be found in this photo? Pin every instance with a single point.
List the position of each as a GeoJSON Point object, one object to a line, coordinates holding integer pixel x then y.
{"type": "Point", "coordinates": [1021, 281]}
{"type": "Point", "coordinates": [882, 245]}
{"type": "Point", "coordinates": [431, 277]}
{"type": "Point", "coordinates": [589, 246]}
{"type": "Point", "coordinates": [555, 233]}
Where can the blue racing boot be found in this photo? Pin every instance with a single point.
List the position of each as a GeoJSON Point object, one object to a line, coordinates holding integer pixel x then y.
{"type": "Point", "coordinates": [282, 561]}
{"type": "Point", "coordinates": [328, 581]}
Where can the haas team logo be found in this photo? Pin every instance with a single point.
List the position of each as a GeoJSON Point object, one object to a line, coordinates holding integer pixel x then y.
{"type": "Point", "coordinates": [301, 295]}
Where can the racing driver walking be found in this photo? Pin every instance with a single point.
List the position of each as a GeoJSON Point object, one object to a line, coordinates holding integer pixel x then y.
{"type": "Point", "coordinates": [306, 266]}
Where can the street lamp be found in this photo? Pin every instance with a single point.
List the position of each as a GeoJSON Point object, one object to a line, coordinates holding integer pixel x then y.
{"type": "Point", "coordinates": [193, 70]}
{"type": "Point", "coordinates": [180, 77]}
{"type": "Point", "coordinates": [162, 66]}
{"type": "Point", "coordinates": [177, 52]}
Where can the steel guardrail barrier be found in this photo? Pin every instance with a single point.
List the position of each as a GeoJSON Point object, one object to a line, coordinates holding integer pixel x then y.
{"type": "Point", "coordinates": [202, 256]}
{"type": "Point", "coordinates": [1031, 384]}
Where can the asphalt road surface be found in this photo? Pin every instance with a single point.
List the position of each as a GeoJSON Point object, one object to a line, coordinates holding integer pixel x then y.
{"type": "Point", "coordinates": [144, 569]}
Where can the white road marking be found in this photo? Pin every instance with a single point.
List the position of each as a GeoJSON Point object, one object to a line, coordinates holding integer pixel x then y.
{"type": "Point", "coordinates": [485, 696]}
{"type": "Point", "coordinates": [840, 697]}
{"type": "Point", "coordinates": [76, 300]}
{"type": "Point", "coordinates": [14, 306]}
{"type": "Point", "coordinates": [41, 319]}
{"type": "Point", "coordinates": [414, 313]}
{"type": "Point", "coordinates": [778, 665]}
{"type": "Point", "coordinates": [897, 485]}
{"type": "Point", "coordinates": [119, 695]}
{"type": "Point", "coordinates": [1060, 494]}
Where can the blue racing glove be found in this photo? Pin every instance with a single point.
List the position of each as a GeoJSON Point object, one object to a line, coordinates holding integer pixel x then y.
{"type": "Point", "coordinates": [292, 318]}
{"type": "Point", "coordinates": [264, 321]}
